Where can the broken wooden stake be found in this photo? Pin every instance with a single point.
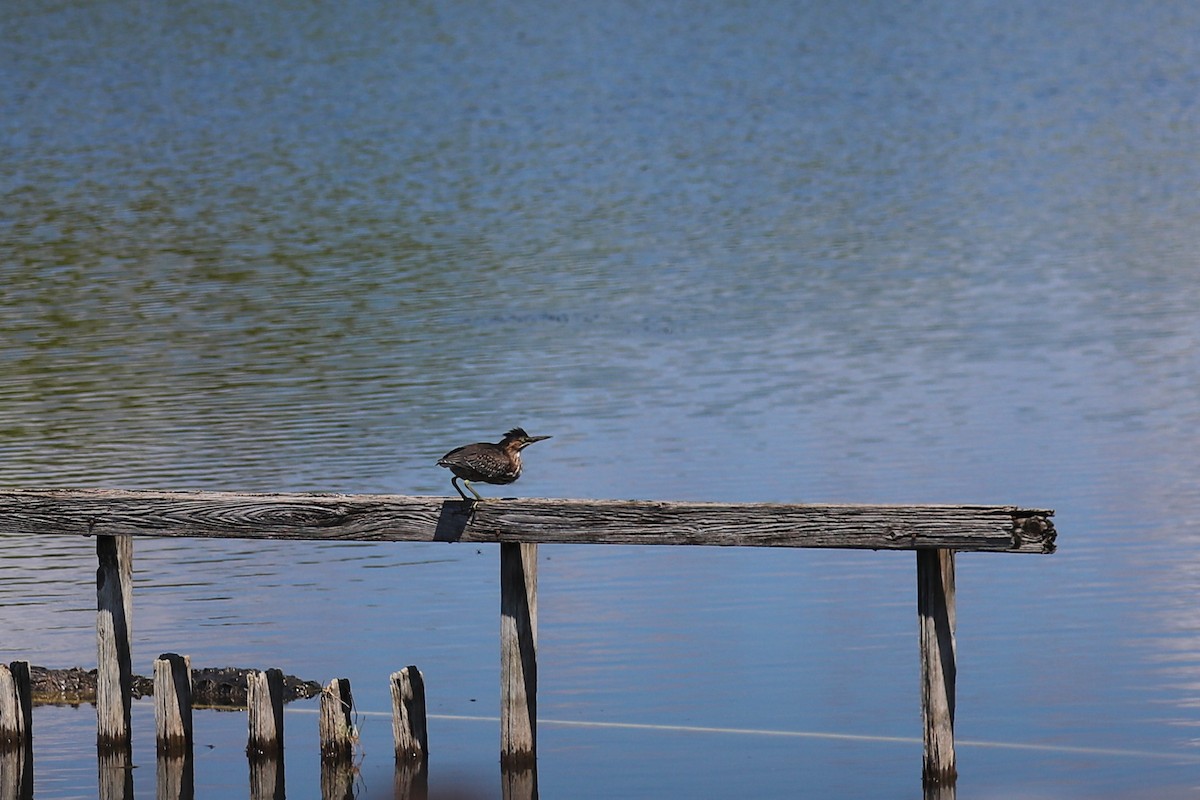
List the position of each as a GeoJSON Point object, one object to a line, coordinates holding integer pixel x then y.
{"type": "Point", "coordinates": [408, 715]}
{"type": "Point", "coordinates": [264, 713]}
{"type": "Point", "coordinates": [173, 704]}
{"type": "Point", "coordinates": [336, 724]}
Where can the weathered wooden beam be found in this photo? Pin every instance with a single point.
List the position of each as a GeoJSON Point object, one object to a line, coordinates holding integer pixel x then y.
{"type": "Point", "coordinates": [936, 616]}
{"type": "Point", "coordinates": [409, 727]}
{"type": "Point", "coordinates": [518, 654]}
{"type": "Point", "coordinates": [173, 704]}
{"type": "Point", "coordinates": [333, 517]}
{"type": "Point", "coordinates": [114, 614]}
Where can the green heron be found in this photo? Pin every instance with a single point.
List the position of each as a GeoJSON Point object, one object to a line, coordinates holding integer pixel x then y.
{"type": "Point", "coordinates": [487, 462]}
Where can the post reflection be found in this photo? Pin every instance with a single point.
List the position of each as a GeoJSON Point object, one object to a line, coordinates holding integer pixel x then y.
{"type": "Point", "coordinates": [176, 777]}
{"type": "Point", "coordinates": [115, 773]}
{"type": "Point", "coordinates": [16, 773]}
{"type": "Point", "coordinates": [519, 783]}
{"type": "Point", "coordinates": [935, 792]}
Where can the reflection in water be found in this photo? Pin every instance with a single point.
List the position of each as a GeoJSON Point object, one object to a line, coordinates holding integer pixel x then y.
{"type": "Point", "coordinates": [16, 773]}
{"type": "Point", "coordinates": [175, 775]}
{"type": "Point", "coordinates": [115, 773]}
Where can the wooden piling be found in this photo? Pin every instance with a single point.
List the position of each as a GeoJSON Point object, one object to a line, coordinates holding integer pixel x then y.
{"type": "Point", "coordinates": [16, 732]}
{"type": "Point", "coordinates": [173, 704]}
{"type": "Point", "coordinates": [16, 706]}
{"type": "Point", "coordinates": [337, 737]}
{"type": "Point", "coordinates": [114, 614]}
{"type": "Point", "coordinates": [518, 654]}
{"type": "Point", "coordinates": [409, 730]}
{"type": "Point", "coordinates": [264, 712]}
{"type": "Point", "coordinates": [336, 725]}
{"type": "Point", "coordinates": [936, 614]}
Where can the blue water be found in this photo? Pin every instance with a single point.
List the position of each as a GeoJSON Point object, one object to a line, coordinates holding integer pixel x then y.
{"type": "Point", "coordinates": [737, 252]}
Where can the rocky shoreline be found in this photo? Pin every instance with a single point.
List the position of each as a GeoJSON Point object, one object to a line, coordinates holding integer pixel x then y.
{"type": "Point", "coordinates": [223, 687]}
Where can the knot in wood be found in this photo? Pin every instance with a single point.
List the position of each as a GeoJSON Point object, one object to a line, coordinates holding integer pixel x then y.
{"type": "Point", "coordinates": [302, 516]}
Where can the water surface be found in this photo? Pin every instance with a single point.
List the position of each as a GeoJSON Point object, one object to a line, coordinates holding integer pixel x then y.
{"type": "Point", "coordinates": [751, 252]}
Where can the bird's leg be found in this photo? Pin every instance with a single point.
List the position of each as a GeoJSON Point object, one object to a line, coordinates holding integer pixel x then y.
{"type": "Point", "coordinates": [454, 483]}
{"type": "Point", "coordinates": [478, 496]}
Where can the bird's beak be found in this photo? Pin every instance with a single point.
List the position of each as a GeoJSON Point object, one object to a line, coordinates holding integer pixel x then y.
{"type": "Point", "coordinates": [533, 439]}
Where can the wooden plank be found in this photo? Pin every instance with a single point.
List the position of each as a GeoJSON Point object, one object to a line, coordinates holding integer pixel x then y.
{"type": "Point", "coordinates": [936, 615]}
{"type": "Point", "coordinates": [114, 613]}
{"type": "Point", "coordinates": [173, 704]}
{"type": "Point", "coordinates": [409, 728]}
{"type": "Point", "coordinates": [518, 655]}
{"type": "Point", "coordinates": [333, 517]}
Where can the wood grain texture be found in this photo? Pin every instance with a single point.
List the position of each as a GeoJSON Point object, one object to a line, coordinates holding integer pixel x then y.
{"type": "Point", "coordinates": [334, 517]}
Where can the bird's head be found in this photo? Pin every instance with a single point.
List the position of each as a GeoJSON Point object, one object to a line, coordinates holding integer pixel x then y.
{"type": "Point", "coordinates": [518, 439]}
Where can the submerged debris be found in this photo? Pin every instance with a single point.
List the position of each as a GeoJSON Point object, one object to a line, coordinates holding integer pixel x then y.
{"type": "Point", "coordinates": [223, 687]}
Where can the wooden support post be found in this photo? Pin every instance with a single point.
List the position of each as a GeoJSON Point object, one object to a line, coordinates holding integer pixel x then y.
{"type": "Point", "coordinates": [16, 706]}
{"type": "Point", "coordinates": [936, 614]}
{"type": "Point", "coordinates": [408, 715]}
{"type": "Point", "coordinates": [114, 614]}
{"type": "Point", "coordinates": [264, 711]}
{"type": "Point", "coordinates": [16, 732]}
{"type": "Point", "coordinates": [336, 724]}
{"type": "Point", "coordinates": [518, 654]}
{"type": "Point", "coordinates": [173, 704]}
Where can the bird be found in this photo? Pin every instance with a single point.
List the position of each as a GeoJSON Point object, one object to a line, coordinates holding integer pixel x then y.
{"type": "Point", "coordinates": [487, 462]}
